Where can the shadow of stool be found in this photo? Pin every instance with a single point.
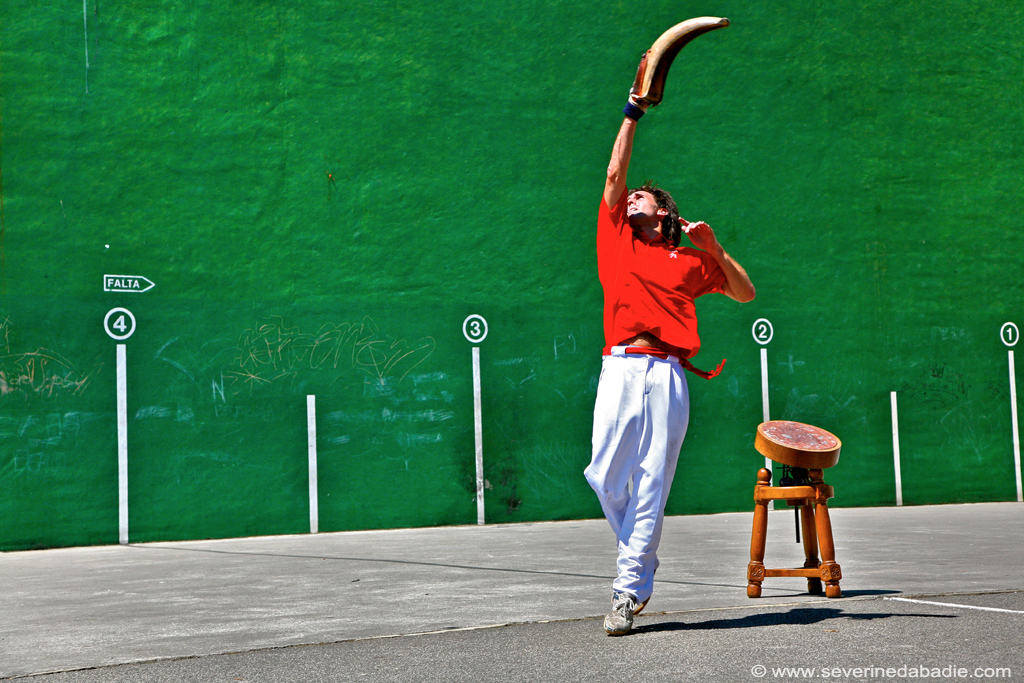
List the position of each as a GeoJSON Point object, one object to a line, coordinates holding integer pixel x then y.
{"type": "Point", "coordinates": [813, 449]}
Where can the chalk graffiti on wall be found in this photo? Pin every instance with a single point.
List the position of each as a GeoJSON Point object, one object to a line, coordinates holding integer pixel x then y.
{"type": "Point", "coordinates": [44, 443]}
{"type": "Point", "coordinates": [275, 358]}
{"type": "Point", "coordinates": [272, 352]}
{"type": "Point", "coordinates": [42, 372]}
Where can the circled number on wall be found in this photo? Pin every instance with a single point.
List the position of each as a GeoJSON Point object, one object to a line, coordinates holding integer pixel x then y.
{"type": "Point", "coordinates": [119, 323]}
{"type": "Point", "coordinates": [474, 328]}
{"type": "Point", "coordinates": [1009, 334]}
{"type": "Point", "coordinates": [762, 331]}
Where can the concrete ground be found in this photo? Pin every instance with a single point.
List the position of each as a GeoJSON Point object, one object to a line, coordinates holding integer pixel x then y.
{"type": "Point", "coordinates": [927, 591]}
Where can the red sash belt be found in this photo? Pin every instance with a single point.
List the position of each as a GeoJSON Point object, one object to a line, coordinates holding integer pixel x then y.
{"type": "Point", "coordinates": [659, 353]}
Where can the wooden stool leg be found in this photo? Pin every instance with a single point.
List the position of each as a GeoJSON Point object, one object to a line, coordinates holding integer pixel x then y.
{"type": "Point", "coordinates": [830, 570]}
{"type": "Point", "coordinates": [755, 570]}
{"type": "Point", "coordinates": [810, 533]}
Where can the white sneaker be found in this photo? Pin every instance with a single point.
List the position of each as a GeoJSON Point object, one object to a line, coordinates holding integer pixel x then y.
{"type": "Point", "coordinates": [620, 620]}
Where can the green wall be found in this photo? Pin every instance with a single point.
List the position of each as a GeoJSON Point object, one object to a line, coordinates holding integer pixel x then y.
{"type": "Point", "coordinates": [323, 191]}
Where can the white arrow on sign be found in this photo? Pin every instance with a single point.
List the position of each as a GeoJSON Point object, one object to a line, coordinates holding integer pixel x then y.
{"type": "Point", "coordinates": [127, 283]}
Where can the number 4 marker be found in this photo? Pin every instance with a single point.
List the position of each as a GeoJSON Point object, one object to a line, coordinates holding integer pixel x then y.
{"type": "Point", "coordinates": [119, 323]}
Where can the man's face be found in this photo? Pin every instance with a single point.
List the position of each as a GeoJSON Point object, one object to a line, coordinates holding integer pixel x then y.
{"type": "Point", "coordinates": [641, 205]}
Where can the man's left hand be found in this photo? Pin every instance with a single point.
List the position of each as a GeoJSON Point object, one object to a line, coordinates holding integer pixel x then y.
{"type": "Point", "coordinates": [701, 234]}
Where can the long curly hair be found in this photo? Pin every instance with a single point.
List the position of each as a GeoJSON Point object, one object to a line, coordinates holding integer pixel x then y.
{"type": "Point", "coordinates": [671, 228]}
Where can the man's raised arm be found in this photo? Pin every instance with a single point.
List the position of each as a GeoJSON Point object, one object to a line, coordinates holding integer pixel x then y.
{"type": "Point", "coordinates": [615, 185]}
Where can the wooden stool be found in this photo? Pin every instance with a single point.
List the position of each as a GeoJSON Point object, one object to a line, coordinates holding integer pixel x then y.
{"type": "Point", "coordinates": [803, 446]}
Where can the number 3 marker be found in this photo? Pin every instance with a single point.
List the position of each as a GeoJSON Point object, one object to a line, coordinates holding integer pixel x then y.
{"type": "Point", "coordinates": [474, 328]}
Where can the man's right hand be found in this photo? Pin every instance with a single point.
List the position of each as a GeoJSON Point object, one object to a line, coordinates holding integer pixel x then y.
{"type": "Point", "coordinates": [638, 82]}
{"type": "Point", "coordinates": [638, 102]}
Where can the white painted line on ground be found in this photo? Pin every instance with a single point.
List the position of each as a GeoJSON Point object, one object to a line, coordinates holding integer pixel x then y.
{"type": "Point", "coordinates": [896, 448]}
{"type": "Point", "coordinates": [764, 383]}
{"type": "Point", "coordinates": [314, 498]}
{"type": "Point", "coordinates": [85, 28]}
{"type": "Point", "coordinates": [768, 465]}
{"type": "Point", "coordinates": [478, 429]}
{"type": "Point", "coordinates": [952, 604]}
{"type": "Point", "coordinates": [1016, 433]}
{"type": "Point", "coordinates": [122, 445]}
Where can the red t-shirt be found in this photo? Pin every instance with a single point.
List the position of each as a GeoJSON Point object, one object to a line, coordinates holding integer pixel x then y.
{"type": "Point", "coordinates": [650, 286]}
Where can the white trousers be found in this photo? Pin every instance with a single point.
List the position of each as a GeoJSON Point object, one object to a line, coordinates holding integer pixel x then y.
{"type": "Point", "coordinates": [640, 420]}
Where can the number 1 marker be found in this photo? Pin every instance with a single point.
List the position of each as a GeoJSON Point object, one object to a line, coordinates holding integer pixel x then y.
{"type": "Point", "coordinates": [1010, 335]}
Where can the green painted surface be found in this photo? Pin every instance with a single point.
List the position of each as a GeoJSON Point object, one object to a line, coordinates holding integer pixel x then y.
{"type": "Point", "coordinates": [322, 192]}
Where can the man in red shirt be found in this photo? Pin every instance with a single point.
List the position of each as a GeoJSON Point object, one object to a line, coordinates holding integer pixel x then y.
{"type": "Point", "coordinates": [650, 323]}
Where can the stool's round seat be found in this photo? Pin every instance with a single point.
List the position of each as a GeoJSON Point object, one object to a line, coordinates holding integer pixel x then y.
{"type": "Point", "coordinates": [797, 444]}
